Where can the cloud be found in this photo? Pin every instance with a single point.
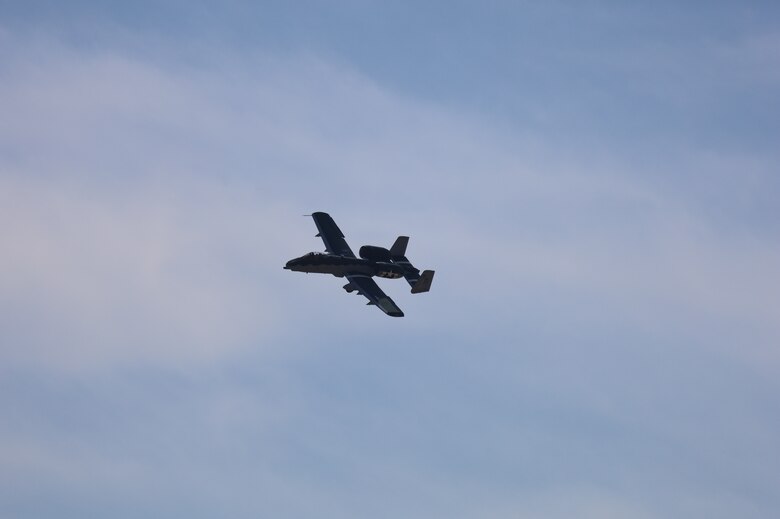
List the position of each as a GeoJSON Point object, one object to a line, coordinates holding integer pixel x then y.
{"type": "Point", "coordinates": [133, 204]}
{"type": "Point", "coordinates": [595, 340]}
{"type": "Point", "coordinates": [165, 273]}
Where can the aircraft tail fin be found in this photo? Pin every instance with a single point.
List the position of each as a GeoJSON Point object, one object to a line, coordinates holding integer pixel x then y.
{"type": "Point", "coordinates": [423, 284]}
{"type": "Point", "coordinates": [398, 250]}
{"type": "Point", "coordinates": [418, 282]}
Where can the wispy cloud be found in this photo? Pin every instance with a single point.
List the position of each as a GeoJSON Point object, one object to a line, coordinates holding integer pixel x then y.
{"type": "Point", "coordinates": [597, 341]}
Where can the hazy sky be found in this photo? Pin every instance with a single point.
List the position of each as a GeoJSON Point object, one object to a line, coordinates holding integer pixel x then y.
{"type": "Point", "coordinates": [595, 183]}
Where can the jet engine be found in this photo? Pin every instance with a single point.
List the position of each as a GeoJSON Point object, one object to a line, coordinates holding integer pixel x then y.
{"type": "Point", "coordinates": [373, 253]}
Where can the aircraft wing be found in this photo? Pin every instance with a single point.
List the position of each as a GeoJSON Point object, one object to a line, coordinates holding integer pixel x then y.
{"type": "Point", "coordinates": [368, 288]}
{"type": "Point", "coordinates": [332, 236]}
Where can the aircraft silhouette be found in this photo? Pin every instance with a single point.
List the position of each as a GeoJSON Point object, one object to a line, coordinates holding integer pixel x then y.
{"type": "Point", "coordinates": [340, 261]}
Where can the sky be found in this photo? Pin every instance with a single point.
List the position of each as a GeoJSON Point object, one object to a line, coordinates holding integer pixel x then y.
{"type": "Point", "coordinates": [595, 184]}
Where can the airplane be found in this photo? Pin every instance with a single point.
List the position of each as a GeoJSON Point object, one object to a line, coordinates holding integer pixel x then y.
{"type": "Point", "coordinates": [339, 260]}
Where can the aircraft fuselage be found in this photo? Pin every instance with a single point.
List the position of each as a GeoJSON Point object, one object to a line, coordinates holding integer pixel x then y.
{"type": "Point", "coordinates": [339, 266]}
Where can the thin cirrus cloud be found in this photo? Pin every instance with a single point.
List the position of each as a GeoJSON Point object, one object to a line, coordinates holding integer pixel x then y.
{"type": "Point", "coordinates": [167, 127]}
{"type": "Point", "coordinates": [597, 343]}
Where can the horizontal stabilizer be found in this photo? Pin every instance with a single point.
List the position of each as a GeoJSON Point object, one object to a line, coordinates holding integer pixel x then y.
{"type": "Point", "coordinates": [424, 283]}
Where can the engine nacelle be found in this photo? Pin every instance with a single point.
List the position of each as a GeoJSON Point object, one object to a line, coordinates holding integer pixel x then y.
{"type": "Point", "coordinates": [373, 253]}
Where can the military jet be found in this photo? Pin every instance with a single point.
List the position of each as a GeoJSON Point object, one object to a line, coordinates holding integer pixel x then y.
{"type": "Point", "coordinates": [340, 261]}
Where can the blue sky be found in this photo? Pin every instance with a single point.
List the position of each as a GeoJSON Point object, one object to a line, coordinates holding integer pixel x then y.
{"type": "Point", "coordinates": [595, 184]}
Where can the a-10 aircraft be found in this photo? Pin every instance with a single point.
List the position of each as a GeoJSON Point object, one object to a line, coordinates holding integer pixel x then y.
{"type": "Point", "coordinates": [340, 261]}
